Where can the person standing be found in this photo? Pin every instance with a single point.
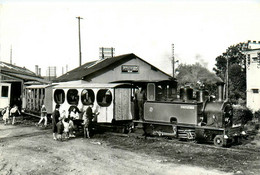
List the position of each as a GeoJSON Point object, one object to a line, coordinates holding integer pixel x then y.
{"type": "Point", "coordinates": [55, 120]}
{"type": "Point", "coordinates": [14, 112]}
{"type": "Point", "coordinates": [87, 117]}
{"type": "Point", "coordinates": [43, 116]}
{"type": "Point", "coordinates": [140, 97]}
{"type": "Point", "coordinates": [6, 115]}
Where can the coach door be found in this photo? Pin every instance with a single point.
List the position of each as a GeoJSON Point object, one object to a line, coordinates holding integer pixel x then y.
{"type": "Point", "coordinates": [123, 104]}
{"type": "Point", "coordinates": [5, 92]}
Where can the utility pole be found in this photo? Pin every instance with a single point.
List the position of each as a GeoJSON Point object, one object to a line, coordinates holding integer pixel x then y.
{"type": "Point", "coordinates": [173, 61]}
{"type": "Point", "coordinates": [11, 55]}
{"type": "Point", "coordinates": [227, 72]}
{"type": "Point", "coordinates": [79, 18]}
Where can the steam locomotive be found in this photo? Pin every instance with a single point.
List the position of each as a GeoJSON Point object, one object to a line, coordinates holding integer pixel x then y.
{"type": "Point", "coordinates": [186, 117]}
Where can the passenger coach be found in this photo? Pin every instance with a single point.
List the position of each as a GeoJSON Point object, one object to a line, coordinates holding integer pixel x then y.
{"type": "Point", "coordinates": [34, 96]}
{"type": "Point", "coordinates": [112, 101]}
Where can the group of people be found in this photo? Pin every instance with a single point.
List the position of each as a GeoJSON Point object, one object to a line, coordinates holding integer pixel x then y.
{"type": "Point", "coordinates": [10, 114]}
{"type": "Point", "coordinates": [63, 125]}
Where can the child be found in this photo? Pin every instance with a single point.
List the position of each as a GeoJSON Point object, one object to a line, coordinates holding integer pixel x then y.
{"type": "Point", "coordinates": [6, 115]}
{"type": "Point", "coordinates": [74, 114]}
{"type": "Point", "coordinates": [87, 117]}
{"type": "Point", "coordinates": [60, 129]}
{"type": "Point", "coordinates": [67, 122]}
{"type": "Point", "coordinates": [66, 128]}
{"type": "Point", "coordinates": [71, 128]}
{"type": "Point", "coordinates": [63, 114]}
{"type": "Point", "coordinates": [14, 112]}
{"type": "Point", "coordinates": [43, 116]}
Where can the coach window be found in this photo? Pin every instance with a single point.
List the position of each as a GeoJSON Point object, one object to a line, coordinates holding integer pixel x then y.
{"type": "Point", "coordinates": [104, 97]}
{"type": "Point", "coordinates": [255, 91]}
{"type": "Point", "coordinates": [59, 96]}
{"type": "Point", "coordinates": [73, 97]}
{"type": "Point", "coordinates": [150, 92]}
{"type": "Point", "coordinates": [159, 92]}
{"type": "Point", "coordinates": [5, 90]}
{"type": "Point", "coordinates": [87, 96]}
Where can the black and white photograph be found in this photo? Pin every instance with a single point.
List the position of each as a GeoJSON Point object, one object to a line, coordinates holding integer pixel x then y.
{"type": "Point", "coordinates": [123, 87]}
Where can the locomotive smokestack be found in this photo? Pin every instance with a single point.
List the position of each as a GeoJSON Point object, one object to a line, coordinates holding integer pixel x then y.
{"type": "Point", "coordinates": [186, 93]}
{"type": "Point", "coordinates": [220, 91]}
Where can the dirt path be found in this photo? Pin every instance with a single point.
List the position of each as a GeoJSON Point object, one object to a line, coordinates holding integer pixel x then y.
{"type": "Point", "coordinates": [25, 149]}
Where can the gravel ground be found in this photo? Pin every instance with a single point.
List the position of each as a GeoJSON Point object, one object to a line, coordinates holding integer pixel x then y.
{"type": "Point", "coordinates": [27, 149]}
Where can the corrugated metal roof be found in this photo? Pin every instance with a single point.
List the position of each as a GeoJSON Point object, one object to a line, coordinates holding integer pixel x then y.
{"type": "Point", "coordinates": [13, 68]}
{"type": "Point", "coordinates": [75, 74]}
{"type": "Point", "coordinates": [28, 77]}
{"type": "Point", "coordinates": [21, 73]}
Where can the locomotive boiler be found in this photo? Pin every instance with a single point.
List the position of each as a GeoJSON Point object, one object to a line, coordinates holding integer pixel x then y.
{"type": "Point", "coordinates": [185, 117]}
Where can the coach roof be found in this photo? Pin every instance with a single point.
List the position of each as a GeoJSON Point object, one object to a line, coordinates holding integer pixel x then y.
{"type": "Point", "coordinates": [85, 84]}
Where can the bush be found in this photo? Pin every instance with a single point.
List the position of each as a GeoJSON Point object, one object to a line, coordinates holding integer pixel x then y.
{"type": "Point", "coordinates": [257, 115]}
{"type": "Point", "coordinates": [242, 114]}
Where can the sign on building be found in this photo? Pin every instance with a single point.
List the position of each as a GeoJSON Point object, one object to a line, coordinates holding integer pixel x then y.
{"type": "Point", "coordinates": [106, 52]}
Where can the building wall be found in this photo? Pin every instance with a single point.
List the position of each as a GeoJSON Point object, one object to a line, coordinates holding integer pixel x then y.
{"type": "Point", "coordinates": [134, 69]}
{"type": "Point", "coordinates": [253, 74]}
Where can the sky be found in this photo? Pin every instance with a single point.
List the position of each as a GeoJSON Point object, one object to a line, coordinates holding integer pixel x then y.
{"type": "Point", "coordinates": [45, 33]}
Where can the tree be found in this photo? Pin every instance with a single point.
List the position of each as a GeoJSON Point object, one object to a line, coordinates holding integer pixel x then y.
{"type": "Point", "coordinates": [194, 75]}
{"type": "Point", "coordinates": [236, 71]}
{"type": "Point", "coordinates": [237, 83]}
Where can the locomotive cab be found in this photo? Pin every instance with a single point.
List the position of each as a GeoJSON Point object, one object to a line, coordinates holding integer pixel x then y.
{"type": "Point", "coordinates": [166, 114]}
{"type": "Point", "coordinates": [163, 106]}
{"type": "Point", "coordinates": [162, 91]}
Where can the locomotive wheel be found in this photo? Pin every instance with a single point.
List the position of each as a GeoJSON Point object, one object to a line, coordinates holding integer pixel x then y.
{"type": "Point", "coordinates": [148, 129]}
{"type": "Point", "coordinates": [219, 141]}
{"type": "Point", "coordinates": [238, 140]}
{"type": "Point", "coordinates": [126, 129]}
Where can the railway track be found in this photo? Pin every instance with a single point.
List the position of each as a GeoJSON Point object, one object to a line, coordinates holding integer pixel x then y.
{"type": "Point", "coordinates": [239, 148]}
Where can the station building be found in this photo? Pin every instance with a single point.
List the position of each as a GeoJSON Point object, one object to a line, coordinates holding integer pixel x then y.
{"type": "Point", "coordinates": [252, 52]}
{"type": "Point", "coordinates": [123, 68]}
